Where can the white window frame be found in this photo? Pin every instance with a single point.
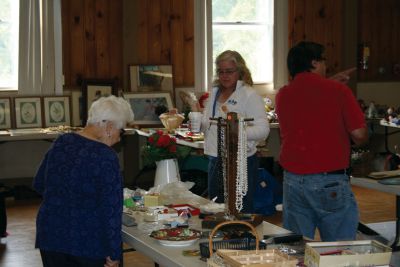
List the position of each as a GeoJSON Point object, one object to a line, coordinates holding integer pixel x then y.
{"type": "Point", "coordinates": [203, 46]}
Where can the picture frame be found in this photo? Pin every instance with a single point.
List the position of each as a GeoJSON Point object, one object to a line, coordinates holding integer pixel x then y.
{"type": "Point", "coordinates": [148, 106]}
{"type": "Point", "coordinates": [151, 78]}
{"type": "Point", "coordinates": [28, 112]}
{"type": "Point", "coordinates": [93, 89]}
{"type": "Point", "coordinates": [57, 111]}
{"type": "Point", "coordinates": [5, 113]}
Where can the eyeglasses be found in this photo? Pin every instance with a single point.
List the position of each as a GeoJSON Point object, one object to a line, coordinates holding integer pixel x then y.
{"type": "Point", "coordinates": [121, 132]}
{"type": "Point", "coordinates": [227, 71]}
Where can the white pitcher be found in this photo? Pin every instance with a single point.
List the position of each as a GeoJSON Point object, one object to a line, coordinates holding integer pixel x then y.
{"type": "Point", "coordinates": [167, 172]}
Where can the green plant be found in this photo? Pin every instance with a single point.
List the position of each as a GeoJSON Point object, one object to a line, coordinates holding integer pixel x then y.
{"type": "Point", "coordinates": [162, 146]}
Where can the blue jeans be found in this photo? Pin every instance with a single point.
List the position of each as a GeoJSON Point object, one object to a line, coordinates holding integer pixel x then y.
{"type": "Point", "coordinates": [323, 201]}
{"type": "Point", "coordinates": [216, 187]}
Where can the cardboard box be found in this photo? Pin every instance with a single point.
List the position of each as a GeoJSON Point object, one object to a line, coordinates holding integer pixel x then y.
{"type": "Point", "coordinates": [347, 253]}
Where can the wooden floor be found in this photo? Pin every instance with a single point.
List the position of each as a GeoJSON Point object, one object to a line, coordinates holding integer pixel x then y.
{"type": "Point", "coordinates": [18, 248]}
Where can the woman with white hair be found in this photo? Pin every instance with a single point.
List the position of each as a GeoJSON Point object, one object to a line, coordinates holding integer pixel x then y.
{"type": "Point", "coordinates": [79, 220]}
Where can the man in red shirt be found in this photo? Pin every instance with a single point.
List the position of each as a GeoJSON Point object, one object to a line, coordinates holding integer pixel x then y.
{"type": "Point", "coordinates": [318, 119]}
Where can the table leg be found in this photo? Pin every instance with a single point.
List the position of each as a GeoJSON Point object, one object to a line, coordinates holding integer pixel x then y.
{"type": "Point", "coordinates": [396, 246]}
{"type": "Point", "coordinates": [386, 140]}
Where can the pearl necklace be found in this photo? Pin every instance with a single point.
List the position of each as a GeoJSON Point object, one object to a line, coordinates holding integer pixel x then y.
{"type": "Point", "coordinates": [241, 173]}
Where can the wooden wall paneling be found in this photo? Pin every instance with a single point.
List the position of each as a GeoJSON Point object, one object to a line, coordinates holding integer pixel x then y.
{"type": "Point", "coordinates": [378, 23]}
{"type": "Point", "coordinates": [93, 37]}
{"type": "Point", "coordinates": [76, 42]}
{"type": "Point", "coordinates": [177, 15]}
{"type": "Point", "coordinates": [364, 35]}
{"type": "Point", "coordinates": [333, 39]}
{"type": "Point", "coordinates": [396, 37]}
{"type": "Point", "coordinates": [188, 31]}
{"type": "Point", "coordinates": [142, 37]}
{"type": "Point", "coordinates": [349, 49]}
{"type": "Point", "coordinates": [323, 25]}
{"type": "Point", "coordinates": [165, 57]}
{"type": "Point", "coordinates": [66, 39]}
{"type": "Point", "coordinates": [101, 30]}
{"type": "Point", "coordinates": [384, 55]}
{"type": "Point", "coordinates": [89, 21]}
{"type": "Point", "coordinates": [318, 21]}
{"type": "Point", "coordinates": [296, 21]}
{"type": "Point", "coordinates": [154, 31]}
{"type": "Point", "coordinates": [115, 41]}
{"type": "Point", "coordinates": [390, 38]}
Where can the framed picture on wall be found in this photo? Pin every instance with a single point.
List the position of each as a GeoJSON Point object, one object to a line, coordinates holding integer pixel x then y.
{"type": "Point", "coordinates": [92, 89]}
{"type": "Point", "coordinates": [57, 110]}
{"type": "Point", "coordinates": [150, 78]}
{"type": "Point", "coordinates": [148, 106]}
{"type": "Point", "coordinates": [5, 113]}
{"type": "Point", "coordinates": [28, 112]}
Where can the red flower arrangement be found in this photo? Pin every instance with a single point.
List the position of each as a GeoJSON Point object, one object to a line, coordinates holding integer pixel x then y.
{"type": "Point", "coordinates": [161, 146]}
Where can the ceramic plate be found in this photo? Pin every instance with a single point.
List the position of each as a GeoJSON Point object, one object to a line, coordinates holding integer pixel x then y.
{"type": "Point", "coordinates": [176, 236]}
{"type": "Point", "coordinates": [177, 243]}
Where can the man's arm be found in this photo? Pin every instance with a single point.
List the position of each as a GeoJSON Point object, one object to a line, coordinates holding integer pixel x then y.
{"type": "Point", "coordinates": [343, 76]}
{"type": "Point", "coordinates": [359, 136]}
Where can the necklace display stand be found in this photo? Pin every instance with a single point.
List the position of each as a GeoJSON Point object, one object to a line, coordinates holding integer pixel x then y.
{"type": "Point", "coordinates": [230, 139]}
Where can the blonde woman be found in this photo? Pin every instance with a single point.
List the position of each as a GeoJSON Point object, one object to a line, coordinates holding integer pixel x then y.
{"type": "Point", "coordinates": [233, 92]}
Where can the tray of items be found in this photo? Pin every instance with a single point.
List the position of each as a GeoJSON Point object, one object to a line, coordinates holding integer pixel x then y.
{"type": "Point", "coordinates": [242, 252]}
{"type": "Point", "coordinates": [260, 258]}
{"type": "Point", "coordinates": [347, 253]}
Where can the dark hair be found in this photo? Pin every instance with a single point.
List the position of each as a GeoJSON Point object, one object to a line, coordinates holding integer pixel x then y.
{"type": "Point", "coordinates": [300, 57]}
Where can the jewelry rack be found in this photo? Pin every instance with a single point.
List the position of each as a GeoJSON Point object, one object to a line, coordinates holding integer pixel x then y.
{"type": "Point", "coordinates": [228, 140]}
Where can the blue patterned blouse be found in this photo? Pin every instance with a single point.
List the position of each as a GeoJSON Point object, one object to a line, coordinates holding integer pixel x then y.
{"type": "Point", "coordinates": [81, 211]}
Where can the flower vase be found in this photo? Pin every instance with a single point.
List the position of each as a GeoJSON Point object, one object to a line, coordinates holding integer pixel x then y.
{"type": "Point", "coordinates": [167, 172]}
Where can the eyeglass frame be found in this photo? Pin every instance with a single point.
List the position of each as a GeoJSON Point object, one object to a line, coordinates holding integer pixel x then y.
{"type": "Point", "coordinates": [226, 71]}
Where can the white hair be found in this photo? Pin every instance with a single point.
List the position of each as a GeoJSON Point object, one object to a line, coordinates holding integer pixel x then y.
{"type": "Point", "coordinates": [110, 108]}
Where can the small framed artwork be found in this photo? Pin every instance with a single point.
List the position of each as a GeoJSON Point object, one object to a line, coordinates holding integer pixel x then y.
{"type": "Point", "coordinates": [57, 110]}
{"type": "Point", "coordinates": [92, 89]}
{"type": "Point", "coordinates": [150, 78]}
{"type": "Point", "coordinates": [148, 106]}
{"type": "Point", "coordinates": [28, 112]}
{"type": "Point", "coordinates": [5, 113]}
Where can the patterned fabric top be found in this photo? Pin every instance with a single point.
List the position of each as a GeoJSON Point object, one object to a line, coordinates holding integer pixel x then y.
{"type": "Point", "coordinates": [81, 212]}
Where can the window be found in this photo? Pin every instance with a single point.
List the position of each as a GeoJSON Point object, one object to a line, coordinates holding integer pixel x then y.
{"type": "Point", "coordinates": [246, 26]}
{"type": "Point", "coordinates": [9, 24]}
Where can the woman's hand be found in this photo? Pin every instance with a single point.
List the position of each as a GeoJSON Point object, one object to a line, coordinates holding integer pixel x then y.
{"type": "Point", "coordinates": [111, 263]}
